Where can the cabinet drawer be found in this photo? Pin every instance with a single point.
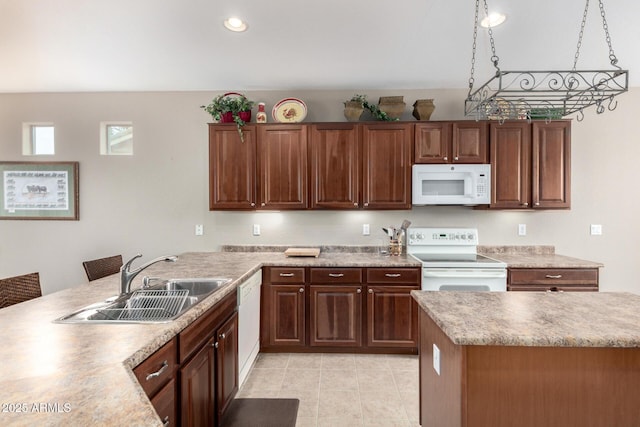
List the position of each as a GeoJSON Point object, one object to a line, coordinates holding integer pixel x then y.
{"type": "Point", "coordinates": [393, 275]}
{"type": "Point", "coordinates": [157, 369]}
{"type": "Point", "coordinates": [585, 277]}
{"type": "Point", "coordinates": [336, 275]}
{"type": "Point", "coordinates": [542, 288]}
{"type": "Point", "coordinates": [285, 275]}
{"type": "Point", "coordinates": [165, 404]}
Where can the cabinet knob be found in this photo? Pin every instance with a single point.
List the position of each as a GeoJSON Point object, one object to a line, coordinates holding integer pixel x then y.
{"type": "Point", "coordinates": [355, 204]}
{"type": "Point", "coordinates": [301, 290]}
{"type": "Point", "coordinates": [222, 336]}
{"type": "Point", "coordinates": [537, 203]}
{"type": "Point", "coordinates": [525, 204]}
{"type": "Point", "coordinates": [252, 204]}
{"type": "Point", "coordinates": [215, 344]}
{"type": "Point", "coordinates": [445, 158]}
{"type": "Point", "coordinates": [262, 204]}
{"type": "Point", "coordinates": [455, 158]}
{"type": "Point", "coordinates": [366, 204]}
{"type": "Point", "coordinates": [359, 291]}
{"type": "Point", "coordinates": [370, 291]}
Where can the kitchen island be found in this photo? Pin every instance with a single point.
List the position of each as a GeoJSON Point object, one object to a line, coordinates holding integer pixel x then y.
{"type": "Point", "coordinates": [529, 359]}
{"type": "Point", "coordinates": [55, 374]}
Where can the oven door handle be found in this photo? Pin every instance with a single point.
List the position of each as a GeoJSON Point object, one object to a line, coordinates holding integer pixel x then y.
{"type": "Point", "coordinates": [480, 274]}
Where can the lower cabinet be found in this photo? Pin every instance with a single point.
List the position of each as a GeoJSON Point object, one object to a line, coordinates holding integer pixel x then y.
{"type": "Point", "coordinates": [197, 369]}
{"type": "Point", "coordinates": [340, 309]}
{"type": "Point", "coordinates": [552, 279]}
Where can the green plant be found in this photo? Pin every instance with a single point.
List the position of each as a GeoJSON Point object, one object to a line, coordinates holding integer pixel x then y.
{"type": "Point", "coordinates": [233, 103]}
{"type": "Point", "coordinates": [373, 109]}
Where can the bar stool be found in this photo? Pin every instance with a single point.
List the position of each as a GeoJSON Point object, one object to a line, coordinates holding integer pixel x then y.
{"type": "Point", "coordinates": [101, 267]}
{"type": "Point", "coordinates": [14, 290]}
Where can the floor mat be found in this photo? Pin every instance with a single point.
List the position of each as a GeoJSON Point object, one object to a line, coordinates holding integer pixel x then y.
{"type": "Point", "coordinates": [261, 413]}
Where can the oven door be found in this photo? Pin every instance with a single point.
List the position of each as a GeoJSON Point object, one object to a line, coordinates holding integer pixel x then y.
{"type": "Point", "coordinates": [464, 279]}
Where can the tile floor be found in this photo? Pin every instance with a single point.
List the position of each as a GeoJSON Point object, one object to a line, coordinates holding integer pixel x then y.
{"type": "Point", "coordinates": [340, 389]}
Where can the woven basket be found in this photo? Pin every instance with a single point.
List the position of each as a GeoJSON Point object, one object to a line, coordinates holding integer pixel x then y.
{"type": "Point", "coordinates": [98, 268]}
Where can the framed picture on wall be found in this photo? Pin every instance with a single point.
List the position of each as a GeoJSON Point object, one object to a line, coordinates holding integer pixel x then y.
{"type": "Point", "coordinates": [39, 190]}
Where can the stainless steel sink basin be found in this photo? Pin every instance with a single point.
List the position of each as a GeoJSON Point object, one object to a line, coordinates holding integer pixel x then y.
{"type": "Point", "coordinates": [160, 303]}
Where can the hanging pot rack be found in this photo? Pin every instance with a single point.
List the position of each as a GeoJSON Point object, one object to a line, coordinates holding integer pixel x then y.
{"type": "Point", "coordinates": [545, 94]}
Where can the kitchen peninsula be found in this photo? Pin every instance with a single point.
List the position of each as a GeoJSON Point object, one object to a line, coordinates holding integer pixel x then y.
{"type": "Point", "coordinates": [529, 359]}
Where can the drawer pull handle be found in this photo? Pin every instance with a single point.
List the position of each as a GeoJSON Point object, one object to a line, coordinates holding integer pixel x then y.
{"type": "Point", "coordinates": [165, 421]}
{"type": "Point", "coordinates": [553, 276]}
{"type": "Point", "coordinates": [393, 275]}
{"type": "Point", "coordinates": [286, 274]}
{"type": "Point", "coordinates": [159, 372]}
{"type": "Point", "coordinates": [336, 274]}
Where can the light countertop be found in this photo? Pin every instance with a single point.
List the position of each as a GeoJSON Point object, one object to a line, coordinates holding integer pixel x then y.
{"type": "Point", "coordinates": [558, 319]}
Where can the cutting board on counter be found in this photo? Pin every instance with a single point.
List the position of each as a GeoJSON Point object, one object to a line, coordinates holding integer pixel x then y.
{"type": "Point", "coordinates": [311, 252]}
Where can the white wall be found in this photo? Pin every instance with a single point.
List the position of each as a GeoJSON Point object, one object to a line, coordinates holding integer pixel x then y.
{"type": "Point", "coordinates": [150, 202]}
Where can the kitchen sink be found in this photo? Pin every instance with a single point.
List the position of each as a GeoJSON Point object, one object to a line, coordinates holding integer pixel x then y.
{"type": "Point", "coordinates": [163, 302]}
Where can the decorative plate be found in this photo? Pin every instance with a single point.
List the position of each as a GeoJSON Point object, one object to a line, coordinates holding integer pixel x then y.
{"type": "Point", "coordinates": [289, 110]}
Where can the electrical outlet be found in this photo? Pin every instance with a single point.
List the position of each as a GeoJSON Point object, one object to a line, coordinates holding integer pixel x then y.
{"type": "Point", "coordinates": [596, 229]}
{"type": "Point", "coordinates": [256, 229]}
{"type": "Point", "coordinates": [365, 230]}
{"type": "Point", "coordinates": [522, 229]}
{"type": "Point", "coordinates": [199, 229]}
{"type": "Point", "coordinates": [436, 359]}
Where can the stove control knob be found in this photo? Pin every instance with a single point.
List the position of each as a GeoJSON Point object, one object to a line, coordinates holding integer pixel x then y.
{"type": "Point", "coordinates": [419, 236]}
{"type": "Point", "coordinates": [463, 237]}
{"type": "Point", "coordinates": [470, 236]}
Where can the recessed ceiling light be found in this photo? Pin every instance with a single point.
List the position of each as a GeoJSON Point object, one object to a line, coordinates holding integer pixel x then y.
{"type": "Point", "coordinates": [493, 20]}
{"type": "Point", "coordinates": [235, 24]}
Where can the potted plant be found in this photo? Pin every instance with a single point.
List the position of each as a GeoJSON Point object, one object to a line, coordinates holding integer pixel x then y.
{"type": "Point", "coordinates": [357, 104]}
{"type": "Point", "coordinates": [231, 107]}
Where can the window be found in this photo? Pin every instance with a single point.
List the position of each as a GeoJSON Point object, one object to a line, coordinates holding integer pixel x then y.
{"type": "Point", "coordinates": [116, 138]}
{"type": "Point", "coordinates": [37, 139]}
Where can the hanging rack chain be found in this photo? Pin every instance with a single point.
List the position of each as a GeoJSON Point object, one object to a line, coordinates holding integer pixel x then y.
{"type": "Point", "coordinates": [473, 50]}
{"type": "Point", "coordinates": [494, 57]}
{"type": "Point", "coordinates": [612, 55]}
{"type": "Point", "coordinates": [584, 21]}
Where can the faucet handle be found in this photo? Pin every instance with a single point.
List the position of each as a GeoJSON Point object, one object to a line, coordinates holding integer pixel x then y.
{"type": "Point", "coordinates": [126, 265]}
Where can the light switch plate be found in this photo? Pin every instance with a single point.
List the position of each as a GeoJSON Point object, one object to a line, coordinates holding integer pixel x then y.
{"type": "Point", "coordinates": [256, 229]}
{"type": "Point", "coordinates": [522, 229]}
{"type": "Point", "coordinates": [199, 229]}
{"type": "Point", "coordinates": [366, 230]}
{"type": "Point", "coordinates": [596, 229]}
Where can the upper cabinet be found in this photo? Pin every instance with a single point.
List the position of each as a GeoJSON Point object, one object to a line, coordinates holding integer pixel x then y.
{"type": "Point", "coordinates": [268, 170]}
{"type": "Point", "coordinates": [282, 166]}
{"type": "Point", "coordinates": [531, 166]}
{"type": "Point", "coordinates": [451, 142]}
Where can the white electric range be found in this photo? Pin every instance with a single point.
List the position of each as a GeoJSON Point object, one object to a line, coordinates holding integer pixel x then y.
{"type": "Point", "coordinates": [450, 261]}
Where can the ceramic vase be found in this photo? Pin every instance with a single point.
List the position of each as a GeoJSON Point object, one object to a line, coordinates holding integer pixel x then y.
{"type": "Point", "coordinates": [353, 110]}
{"type": "Point", "coordinates": [423, 108]}
{"type": "Point", "coordinates": [392, 105]}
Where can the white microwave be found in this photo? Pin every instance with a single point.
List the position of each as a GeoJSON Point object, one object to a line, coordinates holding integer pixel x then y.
{"type": "Point", "coordinates": [452, 184]}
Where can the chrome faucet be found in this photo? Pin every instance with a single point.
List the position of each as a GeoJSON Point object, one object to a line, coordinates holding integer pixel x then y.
{"type": "Point", "coordinates": [127, 275]}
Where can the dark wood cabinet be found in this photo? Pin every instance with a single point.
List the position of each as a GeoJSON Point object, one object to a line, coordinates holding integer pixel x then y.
{"type": "Point", "coordinates": [156, 375]}
{"type": "Point", "coordinates": [360, 166]}
{"type": "Point", "coordinates": [268, 170]}
{"type": "Point", "coordinates": [326, 309]}
{"type": "Point", "coordinates": [335, 166]}
{"type": "Point", "coordinates": [530, 164]}
{"type": "Point", "coordinates": [283, 310]}
{"type": "Point", "coordinates": [386, 165]}
{"type": "Point", "coordinates": [282, 166]}
{"type": "Point", "coordinates": [451, 142]}
{"type": "Point", "coordinates": [232, 168]}
{"type": "Point", "coordinates": [553, 279]}
{"type": "Point", "coordinates": [208, 353]}
{"type": "Point", "coordinates": [392, 314]}
{"type": "Point", "coordinates": [227, 363]}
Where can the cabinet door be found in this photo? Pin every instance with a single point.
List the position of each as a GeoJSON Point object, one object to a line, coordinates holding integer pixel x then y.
{"type": "Point", "coordinates": [510, 165]}
{"type": "Point", "coordinates": [469, 142]}
{"type": "Point", "coordinates": [335, 166]}
{"type": "Point", "coordinates": [232, 168]}
{"type": "Point", "coordinates": [335, 315]}
{"type": "Point", "coordinates": [197, 379]}
{"type": "Point", "coordinates": [226, 364]}
{"type": "Point", "coordinates": [282, 167]}
{"type": "Point", "coordinates": [432, 142]}
{"type": "Point", "coordinates": [165, 404]}
{"type": "Point", "coordinates": [392, 316]}
{"type": "Point", "coordinates": [283, 315]}
{"type": "Point", "coordinates": [551, 165]}
{"type": "Point", "coordinates": [387, 165]}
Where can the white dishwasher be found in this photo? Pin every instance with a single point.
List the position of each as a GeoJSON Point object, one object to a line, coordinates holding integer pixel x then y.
{"type": "Point", "coordinates": [248, 324]}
